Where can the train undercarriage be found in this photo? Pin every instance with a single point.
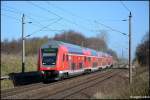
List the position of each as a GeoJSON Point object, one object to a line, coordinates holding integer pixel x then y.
{"type": "Point", "coordinates": [53, 75]}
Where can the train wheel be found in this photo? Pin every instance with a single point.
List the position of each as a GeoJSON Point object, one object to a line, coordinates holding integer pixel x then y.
{"type": "Point", "coordinates": [99, 68]}
{"type": "Point", "coordinates": [65, 75]}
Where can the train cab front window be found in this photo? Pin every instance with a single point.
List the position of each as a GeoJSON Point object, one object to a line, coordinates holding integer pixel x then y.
{"type": "Point", "coordinates": [49, 56]}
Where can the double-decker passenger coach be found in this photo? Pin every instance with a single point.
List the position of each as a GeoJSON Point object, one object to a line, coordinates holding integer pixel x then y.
{"type": "Point", "coordinates": [57, 60]}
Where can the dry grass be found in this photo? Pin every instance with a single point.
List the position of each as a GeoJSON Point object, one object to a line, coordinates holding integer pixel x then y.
{"type": "Point", "coordinates": [140, 86]}
{"type": "Point", "coordinates": [119, 90]}
{"type": "Point", "coordinates": [6, 84]}
{"type": "Point", "coordinates": [12, 64]}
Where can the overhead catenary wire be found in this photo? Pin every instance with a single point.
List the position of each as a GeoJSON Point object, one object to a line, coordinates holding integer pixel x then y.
{"type": "Point", "coordinates": [36, 23]}
{"type": "Point", "coordinates": [44, 9]}
{"type": "Point", "coordinates": [14, 10]}
{"type": "Point", "coordinates": [44, 27]}
{"type": "Point", "coordinates": [110, 28]}
{"type": "Point", "coordinates": [66, 11]}
{"type": "Point", "coordinates": [84, 18]}
{"type": "Point", "coordinates": [11, 17]}
{"type": "Point", "coordinates": [19, 11]}
{"type": "Point", "coordinates": [65, 19]}
{"type": "Point", "coordinates": [77, 16]}
{"type": "Point", "coordinates": [68, 20]}
{"type": "Point", "coordinates": [125, 6]}
{"type": "Point", "coordinates": [69, 13]}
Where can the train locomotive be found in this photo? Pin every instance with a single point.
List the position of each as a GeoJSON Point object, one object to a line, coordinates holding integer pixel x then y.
{"type": "Point", "coordinates": [57, 60]}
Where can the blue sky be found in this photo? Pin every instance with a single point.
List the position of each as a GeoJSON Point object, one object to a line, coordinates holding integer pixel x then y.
{"type": "Point", "coordinates": [79, 16]}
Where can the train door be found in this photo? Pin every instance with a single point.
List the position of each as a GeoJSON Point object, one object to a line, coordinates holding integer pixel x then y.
{"type": "Point", "coordinates": [100, 61]}
{"type": "Point", "coordinates": [80, 62]}
{"type": "Point", "coordinates": [72, 63]}
{"type": "Point", "coordinates": [65, 61]}
{"type": "Point", "coordinates": [88, 62]}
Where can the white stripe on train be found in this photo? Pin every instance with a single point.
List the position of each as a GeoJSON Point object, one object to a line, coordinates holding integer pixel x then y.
{"type": "Point", "coordinates": [79, 71]}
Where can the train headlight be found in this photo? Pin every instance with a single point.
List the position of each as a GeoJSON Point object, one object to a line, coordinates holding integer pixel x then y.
{"type": "Point", "coordinates": [42, 72]}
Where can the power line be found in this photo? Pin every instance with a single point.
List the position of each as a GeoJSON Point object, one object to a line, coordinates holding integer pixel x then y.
{"type": "Point", "coordinates": [53, 30]}
{"type": "Point", "coordinates": [44, 9]}
{"type": "Point", "coordinates": [110, 28]}
{"type": "Point", "coordinates": [43, 27]}
{"type": "Point", "coordinates": [37, 23]}
{"type": "Point", "coordinates": [8, 10]}
{"type": "Point", "coordinates": [16, 19]}
{"type": "Point", "coordinates": [125, 6]}
{"type": "Point", "coordinates": [68, 12]}
{"type": "Point", "coordinates": [19, 11]}
{"type": "Point", "coordinates": [75, 15]}
{"type": "Point", "coordinates": [14, 10]}
{"type": "Point", "coordinates": [58, 16]}
{"type": "Point", "coordinates": [86, 19]}
{"type": "Point", "coordinates": [112, 20]}
{"type": "Point", "coordinates": [67, 19]}
{"type": "Point", "coordinates": [64, 10]}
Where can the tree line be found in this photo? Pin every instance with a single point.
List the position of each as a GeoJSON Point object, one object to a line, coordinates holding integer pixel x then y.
{"type": "Point", "coordinates": [32, 44]}
{"type": "Point", "coordinates": [142, 51]}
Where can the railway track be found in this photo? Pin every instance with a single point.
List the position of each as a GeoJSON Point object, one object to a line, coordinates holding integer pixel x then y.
{"type": "Point", "coordinates": [20, 89]}
{"type": "Point", "coordinates": [25, 88]}
{"type": "Point", "coordinates": [60, 89]}
{"type": "Point", "coordinates": [76, 89]}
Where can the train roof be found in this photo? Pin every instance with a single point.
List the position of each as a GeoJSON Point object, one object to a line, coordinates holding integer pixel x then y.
{"type": "Point", "coordinates": [52, 44]}
{"type": "Point", "coordinates": [72, 48]}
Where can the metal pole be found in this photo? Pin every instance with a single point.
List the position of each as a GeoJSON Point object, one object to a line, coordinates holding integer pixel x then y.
{"type": "Point", "coordinates": [130, 66]}
{"type": "Point", "coordinates": [82, 44]}
{"type": "Point", "coordinates": [122, 52]}
{"type": "Point", "coordinates": [23, 45]}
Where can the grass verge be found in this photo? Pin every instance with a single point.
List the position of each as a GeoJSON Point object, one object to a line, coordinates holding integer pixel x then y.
{"type": "Point", "coordinates": [12, 64]}
{"type": "Point", "coordinates": [119, 90]}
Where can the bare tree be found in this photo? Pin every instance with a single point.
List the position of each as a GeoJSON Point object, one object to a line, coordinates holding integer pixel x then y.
{"type": "Point", "coordinates": [142, 51]}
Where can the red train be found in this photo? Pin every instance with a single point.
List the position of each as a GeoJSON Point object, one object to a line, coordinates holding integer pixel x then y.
{"type": "Point", "coordinates": [57, 60]}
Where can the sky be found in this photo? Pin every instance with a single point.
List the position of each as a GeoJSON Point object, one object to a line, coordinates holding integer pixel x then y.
{"type": "Point", "coordinates": [88, 17]}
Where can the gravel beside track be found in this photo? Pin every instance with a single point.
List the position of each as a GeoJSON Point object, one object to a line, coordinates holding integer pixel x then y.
{"type": "Point", "coordinates": [88, 83]}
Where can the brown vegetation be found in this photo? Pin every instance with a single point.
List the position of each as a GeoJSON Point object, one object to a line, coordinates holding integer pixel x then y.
{"type": "Point", "coordinates": [32, 44]}
{"type": "Point", "coordinates": [119, 88]}
{"type": "Point", "coordinates": [142, 51]}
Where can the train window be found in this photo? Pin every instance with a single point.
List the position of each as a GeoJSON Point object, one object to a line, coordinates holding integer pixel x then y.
{"type": "Point", "coordinates": [89, 59]}
{"type": "Point", "coordinates": [80, 65]}
{"type": "Point", "coordinates": [73, 66]}
{"type": "Point", "coordinates": [49, 56]}
{"type": "Point", "coordinates": [95, 64]}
